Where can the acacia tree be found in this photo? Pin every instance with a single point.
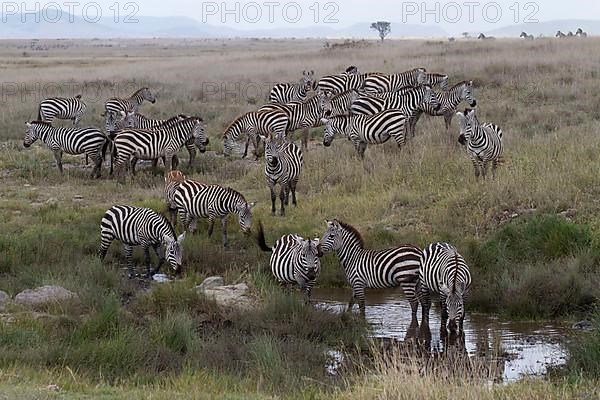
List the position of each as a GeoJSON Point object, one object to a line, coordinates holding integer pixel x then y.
{"type": "Point", "coordinates": [384, 28]}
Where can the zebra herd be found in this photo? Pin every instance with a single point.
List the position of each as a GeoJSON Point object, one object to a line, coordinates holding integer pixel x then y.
{"type": "Point", "coordinates": [366, 108]}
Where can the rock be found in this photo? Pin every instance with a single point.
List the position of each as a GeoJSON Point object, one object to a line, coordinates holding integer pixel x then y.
{"type": "Point", "coordinates": [211, 283]}
{"type": "Point", "coordinates": [234, 296]}
{"type": "Point", "coordinates": [583, 326]}
{"type": "Point", "coordinates": [45, 295]}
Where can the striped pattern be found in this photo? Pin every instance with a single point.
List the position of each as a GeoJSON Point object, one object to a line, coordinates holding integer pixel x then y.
{"type": "Point", "coordinates": [283, 164]}
{"type": "Point", "coordinates": [294, 260]}
{"type": "Point", "coordinates": [253, 124]}
{"type": "Point", "coordinates": [172, 181]}
{"type": "Point", "coordinates": [390, 83]}
{"type": "Point", "coordinates": [135, 226]}
{"type": "Point", "coordinates": [444, 272]}
{"type": "Point", "coordinates": [283, 93]}
{"type": "Point", "coordinates": [71, 108]}
{"type": "Point", "coordinates": [116, 105]}
{"type": "Point", "coordinates": [433, 80]}
{"type": "Point", "coordinates": [340, 104]}
{"type": "Point", "coordinates": [375, 269]}
{"type": "Point", "coordinates": [525, 36]}
{"type": "Point", "coordinates": [194, 200]}
{"type": "Point", "coordinates": [336, 84]}
{"type": "Point", "coordinates": [483, 141]}
{"type": "Point", "coordinates": [88, 141]}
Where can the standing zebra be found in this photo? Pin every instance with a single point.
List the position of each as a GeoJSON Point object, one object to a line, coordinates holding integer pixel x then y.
{"type": "Point", "coordinates": [560, 35]}
{"type": "Point", "coordinates": [135, 226]}
{"type": "Point", "coordinates": [336, 84]}
{"type": "Point", "coordinates": [525, 36]}
{"type": "Point", "coordinates": [449, 102]}
{"type": "Point", "coordinates": [88, 141]}
{"type": "Point", "coordinates": [283, 164]}
{"type": "Point", "coordinates": [165, 142]}
{"type": "Point", "coordinates": [132, 103]}
{"type": "Point", "coordinates": [172, 181]}
{"type": "Point", "coordinates": [580, 33]}
{"type": "Point", "coordinates": [444, 272]}
{"type": "Point", "coordinates": [253, 124]}
{"type": "Point", "coordinates": [377, 269]}
{"type": "Point", "coordinates": [194, 200]}
{"type": "Point", "coordinates": [483, 141]}
{"type": "Point", "coordinates": [71, 108]}
{"type": "Point", "coordinates": [294, 260]}
{"type": "Point", "coordinates": [364, 129]}
{"type": "Point", "coordinates": [390, 83]}
{"type": "Point", "coordinates": [283, 93]}
{"type": "Point", "coordinates": [433, 80]}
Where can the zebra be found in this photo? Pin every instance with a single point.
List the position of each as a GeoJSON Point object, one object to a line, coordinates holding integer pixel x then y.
{"type": "Point", "coordinates": [393, 82]}
{"type": "Point", "coordinates": [560, 35]}
{"type": "Point", "coordinates": [336, 84]}
{"type": "Point", "coordinates": [483, 141]}
{"type": "Point", "coordinates": [525, 36]}
{"type": "Point", "coordinates": [434, 79]}
{"type": "Point", "coordinates": [294, 260]}
{"type": "Point", "coordinates": [253, 124]}
{"type": "Point", "coordinates": [449, 101]}
{"type": "Point", "coordinates": [71, 108]}
{"type": "Point", "coordinates": [444, 272]}
{"type": "Point", "coordinates": [88, 141]}
{"type": "Point", "coordinates": [283, 164]}
{"type": "Point", "coordinates": [136, 226]}
{"type": "Point", "coordinates": [375, 269]}
{"type": "Point", "coordinates": [164, 142]}
{"type": "Point", "coordinates": [580, 33]}
{"type": "Point", "coordinates": [283, 93]}
{"type": "Point", "coordinates": [194, 200]}
{"type": "Point", "coordinates": [409, 100]}
{"type": "Point", "coordinates": [340, 104]}
{"type": "Point", "coordinates": [131, 103]}
{"type": "Point", "coordinates": [364, 129]}
{"type": "Point", "coordinates": [483, 37]}
{"type": "Point", "coordinates": [172, 181]}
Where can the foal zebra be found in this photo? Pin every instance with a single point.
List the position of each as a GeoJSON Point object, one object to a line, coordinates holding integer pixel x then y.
{"type": "Point", "coordinates": [364, 129]}
{"type": "Point", "coordinates": [294, 260]}
{"type": "Point", "coordinates": [194, 200]}
{"type": "Point", "coordinates": [283, 164]}
{"type": "Point", "coordinates": [444, 272]}
{"type": "Point", "coordinates": [376, 269]}
{"type": "Point", "coordinates": [253, 124]}
{"type": "Point", "coordinates": [483, 141]}
{"type": "Point", "coordinates": [88, 141]}
{"type": "Point", "coordinates": [392, 82]}
{"type": "Point", "coordinates": [135, 226]}
{"type": "Point", "coordinates": [283, 93]}
{"type": "Point", "coordinates": [71, 108]}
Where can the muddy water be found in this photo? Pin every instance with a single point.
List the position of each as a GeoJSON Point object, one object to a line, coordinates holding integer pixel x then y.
{"type": "Point", "coordinates": [527, 348]}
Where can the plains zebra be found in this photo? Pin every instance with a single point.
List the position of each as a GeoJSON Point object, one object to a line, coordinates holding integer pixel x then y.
{"type": "Point", "coordinates": [433, 80]}
{"type": "Point", "coordinates": [375, 269]}
{"type": "Point", "coordinates": [253, 124]}
{"type": "Point", "coordinates": [88, 141]}
{"type": "Point", "coordinates": [580, 33]}
{"type": "Point", "coordinates": [339, 104]}
{"type": "Point", "coordinates": [71, 108]}
{"type": "Point", "coordinates": [172, 181]}
{"type": "Point", "coordinates": [444, 272]}
{"type": "Point", "coordinates": [132, 103]}
{"type": "Point", "coordinates": [410, 100]}
{"type": "Point", "coordinates": [525, 36]}
{"type": "Point", "coordinates": [283, 164]}
{"type": "Point", "coordinates": [392, 82]}
{"type": "Point", "coordinates": [364, 129]}
{"type": "Point", "coordinates": [294, 260]}
{"type": "Point", "coordinates": [484, 142]}
{"type": "Point", "coordinates": [165, 142]}
{"type": "Point", "coordinates": [449, 102]}
{"type": "Point", "coordinates": [561, 35]}
{"type": "Point", "coordinates": [136, 226]}
{"type": "Point", "coordinates": [336, 84]}
{"type": "Point", "coordinates": [483, 37]}
{"type": "Point", "coordinates": [194, 200]}
{"type": "Point", "coordinates": [283, 93]}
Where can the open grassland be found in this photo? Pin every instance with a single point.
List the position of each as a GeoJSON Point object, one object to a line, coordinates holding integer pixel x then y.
{"type": "Point", "coordinates": [530, 237]}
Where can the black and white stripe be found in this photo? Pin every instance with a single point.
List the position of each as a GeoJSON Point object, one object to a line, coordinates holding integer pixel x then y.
{"type": "Point", "coordinates": [294, 260]}
{"type": "Point", "coordinates": [119, 107]}
{"type": "Point", "coordinates": [375, 269]}
{"type": "Point", "coordinates": [172, 181]}
{"type": "Point", "coordinates": [339, 104]}
{"type": "Point", "coordinates": [88, 141]}
{"type": "Point", "coordinates": [253, 124]}
{"type": "Point", "coordinates": [392, 82]}
{"type": "Point", "coordinates": [71, 108]}
{"type": "Point", "coordinates": [444, 272]}
{"type": "Point", "coordinates": [283, 93]}
{"type": "Point", "coordinates": [135, 226]}
{"type": "Point", "coordinates": [336, 84]}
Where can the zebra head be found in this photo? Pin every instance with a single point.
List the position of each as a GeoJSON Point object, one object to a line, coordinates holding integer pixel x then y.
{"type": "Point", "coordinates": [309, 256]}
{"type": "Point", "coordinates": [329, 132]}
{"type": "Point", "coordinates": [421, 76]}
{"type": "Point", "coordinates": [272, 149]}
{"type": "Point", "coordinates": [351, 70]}
{"type": "Point", "coordinates": [174, 251]}
{"type": "Point", "coordinates": [332, 239]}
{"type": "Point", "coordinates": [454, 304]}
{"type": "Point", "coordinates": [467, 94]}
{"type": "Point", "coordinates": [465, 132]}
{"type": "Point", "coordinates": [430, 98]}
{"type": "Point", "coordinates": [308, 80]}
{"type": "Point", "coordinates": [147, 95]}
{"type": "Point", "coordinates": [244, 212]}
{"type": "Point", "coordinates": [199, 135]}
{"type": "Point", "coordinates": [326, 104]}
{"type": "Point", "coordinates": [31, 133]}
{"type": "Point", "coordinates": [231, 133]}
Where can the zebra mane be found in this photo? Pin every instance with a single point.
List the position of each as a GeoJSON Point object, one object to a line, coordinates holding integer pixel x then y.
{"type": "Point", "coordinates": [38, 122]}
{"type": "Point", "coordinates": [354, 232]}
{"type": "Point", "coordinates": [78, 96]}
{"type": "Point", "coordinates": [459, 84]}
{"type": "Point", "coordinates": [237, 194]}
{"type": "Point", "coordinates": [169, 225]}
{"type": "Point", "coordinates": [455, 272]}
{"type": "Point", "coordinates": [138, 92]}
{"type": "Point", "coordinates": [232, 123]}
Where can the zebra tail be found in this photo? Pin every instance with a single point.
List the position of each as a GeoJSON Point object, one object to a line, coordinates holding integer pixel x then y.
{"type": "Point", "coordinates": [260, 238]}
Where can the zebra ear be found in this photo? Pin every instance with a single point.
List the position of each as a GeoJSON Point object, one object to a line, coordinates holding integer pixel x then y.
{"type": "Point", "coordinates": [167, 239]}
{"type": "Point", "coordinates": [252, 205]}
{"type": "Point", "coordinates": [28, 124]}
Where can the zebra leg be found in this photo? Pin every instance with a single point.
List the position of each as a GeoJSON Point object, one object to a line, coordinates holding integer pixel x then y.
{"type": "Point", "coordinates": [287, 194]}
{"type": "Point", "coordinates": [161, 258]}
{"type": "Point", "coordinates": [148, 260]}
{"type": "Point", "coordinates": [360, 297]}
{"type": "Point", "coordinates": [173, 216]}
{"type": "Point", "coordinates": [224, 225]}
{"type": "Point", "coordinates": [476, 167]}
{"type": "Point", "coordinates": [484, 170]}
{"type": "Point", "coordinates": [448, 120]}
{"type": "Point", "coordinates": [305, 136]}
{"type": "Point", "coordinates": [293, 187]}
{"type": "Point", "coordinates": [409, 291]}
{"type": "Point", "coordinates": [282, 199]}
{"type": "Point", "coordinates": [211, 225]}
{"type": "Point", "coordinates": [128, 250]}
{"type": "Point", "coordinates": [494, 168]}
{"type": "Point", "coordinates": [192, 152]}
{"type": "Point", "coordinates": [97, 158]}
{"type": "Point", "coordinates": [273, 198]}
{"type": "Point", "coordinates": [425, 298]}
{"type": "Point", "coordinates": [444, 317]}
{"type": "Point", "coordinates": [247, 145]}
{"type": "Point", "coordinates": [105, 242]}
{"type": "Point", "coordinates": [133, 163]}
{"type": "Point", "coordinates": [58, 158]}
{"type": "Point", "coordinates": [360, 148]}
{"type": "Point", "coordinates": [174, 162]}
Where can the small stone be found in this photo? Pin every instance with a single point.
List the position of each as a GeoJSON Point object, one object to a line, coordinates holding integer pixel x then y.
{"type": "Point", "coordinates": [45, 295]}
{"type": "Point", "coordinates": [53, 388]}
{"type": "Point", "coordinates": [211, 283]}
{"type": "Point", "coordinates": [513, 216]}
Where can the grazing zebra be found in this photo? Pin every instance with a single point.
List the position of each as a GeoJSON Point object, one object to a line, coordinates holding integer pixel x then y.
{"type": "Point", "coordinates": [484, 142]}
{"type": "Point", "coordinates": [409, 100]}
{"type": "Point", "coordinates": [294, 260]}
{"type": "Point", "coordinates": [283, 93]}
{"type": "Point", "coordinates": [364, 129]}
{"type": "Point", "coordinates": [525, 36]}
{"type": "Point", "coordinates": [194, 200]}
{"type": "Point", "coordinates": [136, 226]}
{"type": "Point", "coordinates": [375, 269]}
{"type": "Point", "coordinates": [336, 84]}
{"type": "Point", "coordinates": [71, 108]}
{"type": "Point", "coordinates": [340, 104]}
{"type": "Point", "coordinates": [561, 35]}
{"type": "Point", "coordinates": [164, 142]}
{"type": "Point", "coordinates": [580, 33]}
{"type": "Point", "coordinates": [253, 124]}
{"type": "Point", "coordinates": [283, 164]}
{"type": "Point", "coordinates": [449, 102]}
{"type": "Point", "coordinates": [172, 181]}
{"type": "Point", "coordinates": [444, 272]}
{"type": "Point", "coordinates": [393, 82]}
{"type": "Point", "coordinates": [88, 141]}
